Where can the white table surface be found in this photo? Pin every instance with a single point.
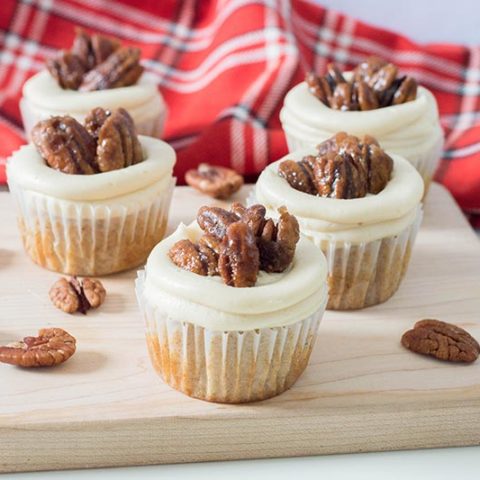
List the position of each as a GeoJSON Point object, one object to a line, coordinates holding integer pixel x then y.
{"type": "Point", "coordinates": [433, 22]}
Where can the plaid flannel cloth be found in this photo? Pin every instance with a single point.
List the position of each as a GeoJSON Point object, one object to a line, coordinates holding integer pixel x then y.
{"type": "Point", "coordinates": [224, 67]}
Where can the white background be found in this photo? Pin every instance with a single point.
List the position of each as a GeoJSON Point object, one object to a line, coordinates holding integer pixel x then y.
{"type": "Point", "coordinates": [423, 21]}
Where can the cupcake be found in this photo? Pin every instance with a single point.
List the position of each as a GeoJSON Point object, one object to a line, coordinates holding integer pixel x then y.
{"type": "Point", "coordinates": [232, 304]}
{"type": "Point", "coordinates": [372, 99]}
{"type": "Point", "coordinates": [93, 199]}
{"type": "Point", "coordinates": [97, 71]}
{"type": "Point", "coordinates": [359, 205]}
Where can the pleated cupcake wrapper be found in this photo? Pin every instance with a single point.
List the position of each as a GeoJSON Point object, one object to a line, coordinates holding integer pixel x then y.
{"type": "Point", "coordinates": [86, 239]}
{"type": "Point", "coordinates": [226, 366]}
{"type": "Point", "coordinates": [367, 273]}
{"type": "Point", "coordinates": [151, 126]}
{"type": "Point", "coordinates": [425, 163]}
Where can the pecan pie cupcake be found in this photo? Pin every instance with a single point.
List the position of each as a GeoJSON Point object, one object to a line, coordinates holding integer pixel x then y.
{"type": "Point", "coordinates": [93, 199]}
{"type": "Point", "coordinates": [360, 205]}
{"type": "Point", "coordinates": [96, 71]}
{"type": "Point", "coordinates": [232, 304]}
{"type": "Point", "coordinates": [372, 99]}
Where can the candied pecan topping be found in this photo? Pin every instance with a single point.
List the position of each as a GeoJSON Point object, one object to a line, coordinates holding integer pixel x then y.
{"type": "Point", "coordinates": [277, 244]}
{"type": "Point", "coordinates": [77, 295]}
{"type": "Point", "coordinates": [339, 176]}
{"type": "Point", "coordinates": [95, 62]}
{"type": "Point", "coordinates": [120, 69]}
{"type": "Point", "coordinates": [118, 145]}
{"type": "Point", "coordinates": [108, 142]}
{"type": "Point", "coordinates": [215, 220]}
{"type": "Point", "coordinates": [374, 84]}
{"type": "Point", "coordinates": [52, 347]}
{"type": "Point", "coordinates": [239, 259]}
{"type": "Point", "coordinates": [345, 167]}
{"type": "Point", "coordinates": [441, 340]}
{"type": "Point", "coordinates": [65, 145]}
{"type": "Point", "coordinates": [238, 243]}
{"type": "Point", "coordinates": [217, 182]}
{"type": "Point", "coordinates": [94, 121]}
{"type": "Point", "coordinates": [67, 69]}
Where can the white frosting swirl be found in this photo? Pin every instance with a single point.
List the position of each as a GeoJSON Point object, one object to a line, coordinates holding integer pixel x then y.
{"type": "Point", "coordinates": [406, 129]}
{"type": "Point", "coordinates": [277, 299]}
{"type": "Point", "coordinates": [27, 169]}
{"type": "Point", "coordinates": [353, 220]}
{"type": "Point", "coordinates": [46, 98]}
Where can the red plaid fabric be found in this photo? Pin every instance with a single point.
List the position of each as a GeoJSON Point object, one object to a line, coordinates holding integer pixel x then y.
{"type": "Point", "coordinates": [224, 67]}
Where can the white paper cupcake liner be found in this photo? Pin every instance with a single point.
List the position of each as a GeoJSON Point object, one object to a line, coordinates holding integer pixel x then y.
{"type": "Point", "coordinates": [98, 238]}
{"type": "Point", "coordinates": [368, 273]}
{"type": "Point", "coordinates": [151, 126]}
{"type": "Point", "coordinates": [425, 162]}
{"type": "Point", "coordinates": [226, 366]}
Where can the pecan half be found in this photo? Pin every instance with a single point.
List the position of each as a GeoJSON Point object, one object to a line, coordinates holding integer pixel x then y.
{"type": "Point", "coordinates": [319, 87]}
{"type": "Point", "coordinates": [77, 295]}
{"type": "Point", "coordinates": [297, 175]}
{"type": "Point", "coordinates": [379, 167]}
{"type": "Point", "coordinates": [217, 182]}
{"type": "Point", "coordinates": [95, 120]}
{"type": "Point", "coordinates": [277, 244]}
{"type": "Point", "coordinates": [185, 254]}
{"type": "Point", "coordinates": [253, 216]}
{"type": "Point", "coordinates": [120, 69]}
{"type": "Point", "coordinates": [366, 97]}
{"type": "Point", "coordinates": [339, 176]}
{"type": "Point", "coordinates": [406, 92]}
{"type": "Point", "coordinates": [67, 69]}
{"type": "Point", "coordinates": [215, 220]}
{"type": "Point", "coordinates": [441, 340]}
{"type": "Point", "coordinates": [341, 98]}
{"type": "Point", "coordinates": [239, 261]}
{"type": "Point", "coordinates": [52, 347]}
{"type": "Point", "coordinates": [65, 145]}
{"type": "Point", "coordinates": [118, 145]}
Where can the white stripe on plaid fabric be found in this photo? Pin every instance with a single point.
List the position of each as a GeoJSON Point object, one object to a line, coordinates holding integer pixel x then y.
{"type": "Point", "coordinates": [469, 100]}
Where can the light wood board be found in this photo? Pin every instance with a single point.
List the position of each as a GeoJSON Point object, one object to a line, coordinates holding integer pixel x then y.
{"type": "Point", "coordinates": [361, 392]}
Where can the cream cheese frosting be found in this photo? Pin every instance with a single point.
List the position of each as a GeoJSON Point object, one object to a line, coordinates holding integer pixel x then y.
{"type": "Point", "coordinates": [405, 129]}
{"type": "Point", "coordinates": [277, 299]}
{"type": "Point", "coordinates": [27, 169]}
{"type": "Point", "coordinates": [346, 220]}
{"type": "Point", "coordinates": [46, 98]}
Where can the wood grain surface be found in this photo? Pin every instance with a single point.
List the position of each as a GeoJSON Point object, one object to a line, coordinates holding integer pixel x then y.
{"type": "Point", "coordinates": [361, 392]}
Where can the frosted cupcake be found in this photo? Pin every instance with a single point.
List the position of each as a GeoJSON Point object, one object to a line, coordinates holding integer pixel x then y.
{"type": "Point", "coordinates": [97, 71]}
{"type": "Point", "coordinates": [372, 100]}
{"type": "Point", "coordinates": [232, 304]}
{"type": "Point", "coordinates": [361, 206]}
{"type": "Point", "coordinates": [93, 199]}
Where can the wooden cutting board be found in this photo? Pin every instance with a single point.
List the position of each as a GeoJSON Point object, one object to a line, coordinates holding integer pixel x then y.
{"type": "Point", "coordinates": [361, 392]}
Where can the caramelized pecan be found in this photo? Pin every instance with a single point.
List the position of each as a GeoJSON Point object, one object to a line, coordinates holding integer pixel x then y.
{"type": "Point", "coordinates": [185, 254]}
{"type": "Point", "coordinates": [65, 145]}
{"type": "Point", "coordinates": [94, 121]}
{"type": "Point", "coordinates": [67, 69]}
{"type": "Point", "coordinates": [339, 176]}
{"type": "Point", "coordinates": [52, 347]}
{"type": "Point", "coordinates": [215, 220]}
{"type": "Point", "coordinates": [297, 175]}
{"type": "Point", "coordinates": [120, 69]}
{"type": "Point", "coordinates": [379, 168]}
{"type": "Point", "coordinates": [118, 145]}
{"type": "Point", "coordinates": [441, 340]}
{"type": "Point", "coordinates": [277, 244]}
{"type": "Point", "coordinates": [239, 262]}
{"type": "Point", "coordinates": [374, 84]}
{"type": "Point", "coordinates": [253, 216]}
{"type": "Point", "coordinates": [215, 181]}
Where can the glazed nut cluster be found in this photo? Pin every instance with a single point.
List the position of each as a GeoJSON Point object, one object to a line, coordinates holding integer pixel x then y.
{"type": "Point", "coordinates": [374, 84]}
{"type": "Point", "coordinates": [95, 62]}
{"type": "Point", "coordinates": [238, 243]}
{"type": "Point", "coordinates": [108, 141]}
{"type": "Point", "coordinates": [344, 167]}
